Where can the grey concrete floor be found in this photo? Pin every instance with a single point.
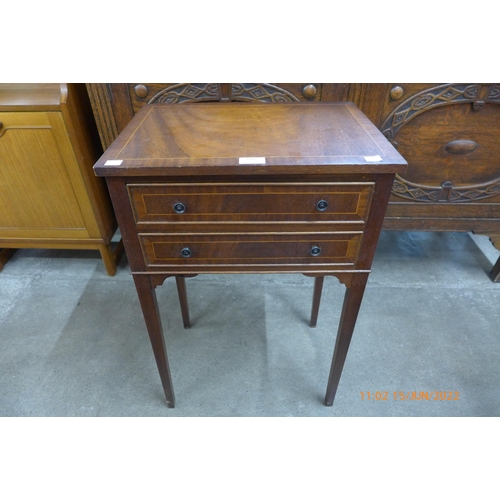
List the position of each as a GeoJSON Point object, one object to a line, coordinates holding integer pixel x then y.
{"type": "Point", "coordinates": [73, 341]}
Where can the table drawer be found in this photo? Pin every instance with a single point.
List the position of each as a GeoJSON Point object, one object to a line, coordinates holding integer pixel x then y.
{"type": "Point", "coordinates": [250, 202]}
{"type": "Point", "coordinates": [244, 249]}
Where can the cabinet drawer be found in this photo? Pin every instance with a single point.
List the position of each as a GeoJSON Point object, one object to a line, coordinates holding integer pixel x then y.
{"type": "Point", "coordinates": [243, 249]}
{"type": "Point", "coordinates": [250, 202]}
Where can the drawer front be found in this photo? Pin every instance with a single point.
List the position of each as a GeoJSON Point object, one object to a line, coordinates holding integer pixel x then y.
{"type": "Point", "coordinates": [241, 249]}
{"type": "Point", "coordinates": [250, 202]}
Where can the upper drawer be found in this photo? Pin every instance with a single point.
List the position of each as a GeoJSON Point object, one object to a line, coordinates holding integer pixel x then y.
{"type": "Point", "coordinates": [251, 202]}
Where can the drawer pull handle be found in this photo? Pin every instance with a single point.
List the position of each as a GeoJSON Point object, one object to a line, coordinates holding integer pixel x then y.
{"type": "Point", "coordinates": [461, 147]}
{"type": "Point", "coordinates": [315, 251]}
{"type": "Point", "coordinates": [179, 208]}
{"type": "Point", "coordinates": [322, 205]}
{"type": "Point", "coordinates": [186, 252]}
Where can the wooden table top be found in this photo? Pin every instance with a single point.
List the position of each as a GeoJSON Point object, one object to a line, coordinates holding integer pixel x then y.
{"type": "Point", "coordinates": [249, 139]}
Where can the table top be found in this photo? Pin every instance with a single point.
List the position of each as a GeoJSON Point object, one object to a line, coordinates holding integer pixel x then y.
{"type": "Point", "coordinates": [248, 139]}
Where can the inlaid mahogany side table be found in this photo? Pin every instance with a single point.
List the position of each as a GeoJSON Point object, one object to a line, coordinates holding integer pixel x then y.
{"type": "Point", "coordinates": [250, 188]}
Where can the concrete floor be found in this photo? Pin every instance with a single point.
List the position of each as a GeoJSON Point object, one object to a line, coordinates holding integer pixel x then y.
{"type": "Point", "coordinates": [73, 340]}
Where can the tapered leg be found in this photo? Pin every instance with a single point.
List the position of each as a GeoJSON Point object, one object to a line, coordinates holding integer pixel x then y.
{"type": "Point", "coordinates": [350, 309]}
{"type": "Point", "coordinates": [495, 272]}
{"type": "Point", "coordinates": [108, 259]}
{"type": "Point", "coordinates": [181, 290]}
{"type": "Point", "coordinates": [149, 305]}
{"type": "Point", "coordinates": [318, 287]}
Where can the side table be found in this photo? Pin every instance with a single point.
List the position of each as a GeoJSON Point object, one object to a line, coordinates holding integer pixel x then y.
{"type": "Point", "coordinates": [250, 188]}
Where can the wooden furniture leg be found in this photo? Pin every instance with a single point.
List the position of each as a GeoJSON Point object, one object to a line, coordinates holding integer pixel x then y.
{"type": "Point", "coordinates": [111, 257]}
{"type": "Point", "coordinates": [350, 309]}
{"type": "Point", "coordinates": [183, 300]}
{"type": "Point", "coordinates": [5, 255]}
{"type": "Point", "coordinates": [495, 271]}
{"type": "Point", "coordinates": [149, 305]}
{"type": "Point", "coordinates": [108, 259]}
{"type": "Point", "coordinates": [318, 288]}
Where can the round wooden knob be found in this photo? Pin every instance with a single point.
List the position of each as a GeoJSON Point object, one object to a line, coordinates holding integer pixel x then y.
{"type": "Point", "coordinates": [141, 91]}
{"type": "Point", "coordinates": [309, 91]}
{"type": "Point", "coordinates": [396, 93]}
{"type": "Point", "coordinates": [461, 147]}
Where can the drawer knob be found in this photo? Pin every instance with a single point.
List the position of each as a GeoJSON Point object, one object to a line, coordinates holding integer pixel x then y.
{"type": "Point", "coordinates": [309, 91]}
{"type": "Point", "coordinates": [179, 208]}
{"type": "Point", "coordinates": [186, 252]}
{"type": "Point", "coordinates": [461, 147]}
{"type": "Point", "coordinates": [315, 251]}
{"type": "Point", "coordinates": [322, 205]}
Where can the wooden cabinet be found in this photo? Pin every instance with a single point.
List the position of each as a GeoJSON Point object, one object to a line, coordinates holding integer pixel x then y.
{"type": "Point", "coordinates": [49, 197]}
{"type": "Point", "coordinates": [448, 133]}
{"type": "Point", "coordinates": [250, 188]}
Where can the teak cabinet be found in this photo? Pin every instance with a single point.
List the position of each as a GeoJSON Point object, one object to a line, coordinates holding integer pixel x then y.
{"type": "Point", "coordinates": [49, 196]}
{"type": "Point", "coordinates": [447, 132]}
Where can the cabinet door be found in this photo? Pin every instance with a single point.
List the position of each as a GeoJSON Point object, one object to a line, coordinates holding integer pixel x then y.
{"type": "Point", "coordinates": [39, 186]}
{"type": "Point", "coordinates": [449, 135]}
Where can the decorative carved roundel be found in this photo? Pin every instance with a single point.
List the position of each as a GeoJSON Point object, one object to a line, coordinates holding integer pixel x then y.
{"type": "Point", "coordinates": [442, 95]}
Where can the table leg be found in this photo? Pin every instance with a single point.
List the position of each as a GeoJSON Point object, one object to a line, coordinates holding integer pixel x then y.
{"type": "Point", "coordinates": [181, 290]}
{"type": "Point", "coordinates": [149, 305]}
{"type": "Point", "coordinates": [495, 272]}
{"type": "Point", "coordinates": [350, 309]}
{"type": "Point", "coordinates": [318, 287]}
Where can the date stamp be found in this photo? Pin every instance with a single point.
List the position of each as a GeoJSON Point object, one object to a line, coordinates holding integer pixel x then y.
{"type": "Point", "coordinates": [410, 396]}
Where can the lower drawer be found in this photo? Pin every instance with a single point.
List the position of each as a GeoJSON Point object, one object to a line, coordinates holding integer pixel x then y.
{"type": "Point", "coordinates": [239, 249]}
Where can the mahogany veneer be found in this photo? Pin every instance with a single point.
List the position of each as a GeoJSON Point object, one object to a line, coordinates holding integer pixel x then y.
{"type": "Point", "coordinates": [250, 188]}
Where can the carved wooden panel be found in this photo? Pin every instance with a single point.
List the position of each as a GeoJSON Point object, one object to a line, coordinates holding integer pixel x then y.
{"type": "Point", "coordinates": [143, 93]}
{"type": "Point", "coordinates": [115, 104]}
{"type": "Point", "coordinates": [449, 136]}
